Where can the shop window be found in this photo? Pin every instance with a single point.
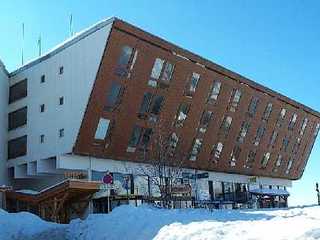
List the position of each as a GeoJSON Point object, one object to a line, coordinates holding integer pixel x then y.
{"type": "Point", "coordinates": [260, 132]}
{"type": "Point", "coordinates": [196, 147]}
{"type": "Point", "coordinates": [234, 157]}
{"type": "Point", "coordinates": [17, 118]}
{"type": "Point", "coordinates": [205, 120]}
{"type": "Point", "coordinates": [126, 61]}
{"type": "Point", "coordinates": [267, 112]}
{"type": "Point", "coordinates": [289, 166]}
{"type": "Point", "coordinates": [161, 73]}
{"type": "Point", "coordinates": [303, 126]}
{"type": "Point", "coordinates": [17, 147]}
{"type": "Point", "coordinates": [250, 159]}
{"type": "Point", "coordinates": [226, 125]}
{"type": "Point", "coordinates": [273, 138]}
{"type": "Point", "coordinates": [234, 100]}
{"type": "Point", "coordinates": [293, 121]}
{"type": "Point", "coordinates": [265, 160]}
{"type": "Point", "coordinates": [192, 84]}
{"type": "Point", "coordinates": [182, 113]}
{"type": "Point", "coordinates": [114, 96]}
{"type": "Point", "coordinates": [214, 92]}
{"type": "Point", "coordinates": [18, 91]}
{"type": "Point", "coordinates": [281, 116]}
{"type": "Point", "coordinates": [253, 106]}
{"type": "Point", "coordinates": [217, 151]}
{"type": "Point", "coordinates": [243, 131]}
{"type": "Point", "coordinates": [277, 164]}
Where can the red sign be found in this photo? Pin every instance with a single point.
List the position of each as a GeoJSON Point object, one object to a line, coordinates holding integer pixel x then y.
{"type": "Point", "coordinates": [108, 178]}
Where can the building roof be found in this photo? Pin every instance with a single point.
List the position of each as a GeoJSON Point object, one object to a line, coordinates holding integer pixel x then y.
{"type": "Point", "coordinates": [65, 44]}
{"type": "Point", "coordinates": [3, 67]}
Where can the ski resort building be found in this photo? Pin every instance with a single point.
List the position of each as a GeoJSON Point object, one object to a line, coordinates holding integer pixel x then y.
{"type": "Point", "coordinates": [90, 106]}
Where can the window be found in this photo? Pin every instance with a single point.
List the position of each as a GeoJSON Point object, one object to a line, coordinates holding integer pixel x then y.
{"type": "Point", "coordinates": [61, 132]}
{"type": "Point", "coordinates": [161, 70]}
{"type": "Point", "coordinates": [243, 131]}
{"type": "Point", "coordinates": [253, 106]}
{"type": "Point", "coordinates": [267, 112]}
{"type": "Point", "coordinates": [192, 84]}
{"type": "Point", "coordinates": [292, 121]}
{"type": "Point", "coordinates": [316, 131]}
{"type": "Point", "coordinates": [17, 118]}
{"type": "Point", "coordinates": [303, 126]}
{"type": "Point", "coordinates": [289, 166]}
{"type": "Point", "coordinates": [139, 137]}
{"type": "Point", "coordinates": [234, 100]}
{"type": "Point", "coordinates": [182, 114]}
{"type": "Point", "coordinates": [42, 138]}
{"type": "Point", "coordinates": [250, 159]}
{"type": "Point", "coordinates": [296, 146]}
{"type": "Point", "coordinates": [61, 101]}
{"type": "Point", "coordinates": [61, 70]}
{"type": "Point", "coordinates": [173, 142]}
{"type": "Point", "coordinates": [102, 129]}
{"type": "Point", "coordinates": [150, 104]}
{"type": "Point", "coordinates": [17, 147]}
{"type": "Point", "coordinates": [42, 108]}
{"type": "Point", "coordinates": [226, 124]}
{"type": "Point", "coordinates": [277, 164]}
{"type": "Point", "coordinates": [235, 154]}
{"type": "Point", "coordinates": [114, 96]}
{"type": "Point", "coordinates": [260, 132]}
{"type": "Point", "coordinates": [216, 152]}
{"type": "Point", "coordinates": [18, 91]}
{"type": "Point", "coordinates": [127, 59]}
{"type": "Point", "coordinates": [205, 120]}
{"type": "Point", "coordinates": [214, 93]}
{"type": "Point", "coordinates": [42, 79]}
{"type": "Point", "coordinates": [273, 138]}
{"type": "Point", "coordinates": [281, 116]}
{"type": "Point", "coordinates": [265, 160]}
{"type": "Point", "coordinates": [196, 147]}
{"type": "Point", "coordinates": [285, 144]}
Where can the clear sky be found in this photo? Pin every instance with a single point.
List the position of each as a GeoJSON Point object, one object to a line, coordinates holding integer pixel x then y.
{"type": "Point", "coordinates": [275, 43]}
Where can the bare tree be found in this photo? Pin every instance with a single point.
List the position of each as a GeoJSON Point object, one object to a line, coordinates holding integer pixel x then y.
{"type": "Point", "coordinates": [164, 161]}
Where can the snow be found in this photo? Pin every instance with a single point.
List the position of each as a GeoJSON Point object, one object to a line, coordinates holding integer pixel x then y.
{"type": "Point", "coordinates": [145, 222]}
{"type": "Point", "coordinates": [270, 192]}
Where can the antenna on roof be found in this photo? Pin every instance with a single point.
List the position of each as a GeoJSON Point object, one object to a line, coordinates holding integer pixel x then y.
{"type": "Point", "coordinates": [39, 45]}
{"type": "Point", "coordinates": [71, 25]}
{"type": "Point", "coordinates": [22, 58]}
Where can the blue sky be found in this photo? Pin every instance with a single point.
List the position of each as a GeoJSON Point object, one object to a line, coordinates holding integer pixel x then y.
{"type": "Point", "coordinates": [275, 43]}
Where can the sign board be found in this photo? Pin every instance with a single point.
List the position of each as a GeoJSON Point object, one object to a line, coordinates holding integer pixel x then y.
{"type": "Point", "coordinates": [194, 176]}
{"type": "Point", "coordinates": [203, 175]}
{"type": "Point", "coordinates": [253, 180]}
{"type": "Point", "coordinates": [108, 178]}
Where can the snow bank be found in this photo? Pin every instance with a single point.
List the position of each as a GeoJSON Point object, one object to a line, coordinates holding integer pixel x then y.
{"type": "Point", "coordinates": [144, 223]}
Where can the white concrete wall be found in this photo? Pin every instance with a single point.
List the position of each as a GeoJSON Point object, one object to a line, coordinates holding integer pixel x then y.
{"type": "Point", "coordinates": [3, 123]}
{"type": "Point", "coordinates": [80, 62]}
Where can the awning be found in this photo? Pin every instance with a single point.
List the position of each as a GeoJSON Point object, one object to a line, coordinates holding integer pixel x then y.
{"type": "Point", "coordinates": [270, 192]}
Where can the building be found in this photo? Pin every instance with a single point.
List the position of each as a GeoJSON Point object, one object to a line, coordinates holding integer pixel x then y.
{"type": "Point", "coordinates": [91, 105]}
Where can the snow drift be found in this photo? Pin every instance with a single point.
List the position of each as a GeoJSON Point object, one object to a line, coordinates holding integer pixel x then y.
{"type": "Point", "coordinates": [145, 222]}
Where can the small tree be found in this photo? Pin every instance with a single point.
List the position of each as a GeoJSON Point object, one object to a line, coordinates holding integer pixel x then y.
{"type": "Point", "coordinates": [164, 161]}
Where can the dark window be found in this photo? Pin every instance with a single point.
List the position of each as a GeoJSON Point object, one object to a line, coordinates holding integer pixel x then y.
{"type": "Point", "coordinates": [259, 135]}
{"type": "Point", "coordinates": [18, 91]}
{"type": "Point", "coordinates": [205, 120]}
{"type": "Point", "coordinates": [17, 118]}
{"type": "Point", "coordinates": [126, 61]}
{"type": "Point", "coordinates": [253, 106]}
{"type": "Point", "coordinates": [145, 105]}
{"type": "Point", "coordinates": [267, 112]}
{"type": "Point", "coordinates": [145, 139]}
{"type": "Point", "coordinates": [296, 146]}
{"type": "Point", "coordinates": [17, 147]}
{"type": "Point", "coordinates": [192, 84]}
{"type": "Point", "coordinates": [135, 137]}
{"type": "Point", "coordinates": [140, 137]}
{"type": "Point", "coordinates": [277, 163]}
{"type": "Point", "coordinates": [61, 101]}
{"type": "Point", "coordinates": [114, 96]}
{"type": "Point", "coordinates": [157, 104]}
{"type": "Point", "coordinates": [42, 108]}
{"type": "Point", "coordinates": [182, 113]}
{"type": "Point", "coordinates": [42, 138]}
{"type": "Point", "coordinates": [173, 142]}
{"type": "Point", "coordinates": [150, 104]}
{"type": "Point", "coordinates": [43, 79]}
{"type": "Point", "coordinates": [61, 132]}
{"type": "Point", "coordinates": [61, 70]}
{"type": "Point", "coordinates": [285, 144]}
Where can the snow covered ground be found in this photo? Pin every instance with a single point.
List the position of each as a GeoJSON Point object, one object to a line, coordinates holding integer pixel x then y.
{"type": "Point", "coordinates": [142, 223]}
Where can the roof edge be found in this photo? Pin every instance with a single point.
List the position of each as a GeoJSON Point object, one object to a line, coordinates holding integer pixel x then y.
{"type": "Point", "coordinates": [65, 44]}
{"type": "Point", "coordinates": [4, 68]}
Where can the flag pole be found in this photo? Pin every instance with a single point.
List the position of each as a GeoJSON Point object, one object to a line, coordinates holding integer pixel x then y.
{"type": "Point", "coordinates": [22, 49]}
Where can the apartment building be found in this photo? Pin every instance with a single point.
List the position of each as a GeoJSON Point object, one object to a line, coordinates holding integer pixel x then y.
{"type": "Point", "coordinates": [91, 106]}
